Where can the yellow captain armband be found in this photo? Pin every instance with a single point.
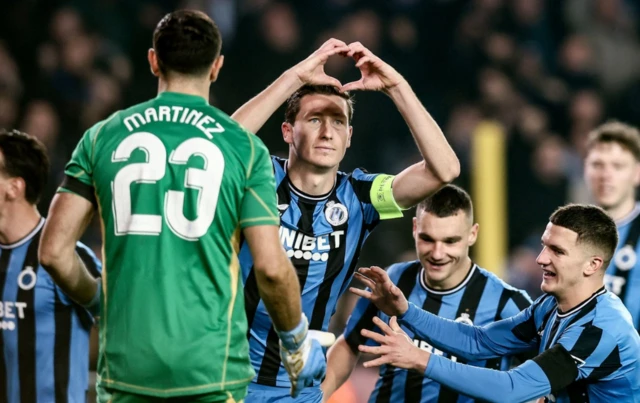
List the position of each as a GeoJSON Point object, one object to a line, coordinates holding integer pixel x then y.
{"type": "Point", "coordinates": [382, 197]}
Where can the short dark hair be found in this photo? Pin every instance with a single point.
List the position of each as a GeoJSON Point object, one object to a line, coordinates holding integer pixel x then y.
{"type": "Point", "coordinates": [626, 136]}
{"type": "Point", "coordinates": [293, 103]}
{"type": "Point", "coordinates": [592, 224]}
{"type": "Point", "coordinates": [186, 42]}
{"type": "Point", "coordinates": [447, 202]}
{"type": "Point", "coordinates": [25, 157]}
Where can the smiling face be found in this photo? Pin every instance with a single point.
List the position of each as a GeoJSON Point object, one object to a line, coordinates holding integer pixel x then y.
{"type": "Point", "coordinates": [442, 245]}
{"type": "Point", "coordinates": [320, 134]}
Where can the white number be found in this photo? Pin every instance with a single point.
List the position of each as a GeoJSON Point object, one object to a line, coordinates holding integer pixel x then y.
{"type": "Point", "coordinates": [143, 172]}
{"type": "Point", "coordinates": [207, 181]}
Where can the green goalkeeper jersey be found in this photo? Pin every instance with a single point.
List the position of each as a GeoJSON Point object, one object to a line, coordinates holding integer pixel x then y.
{"type": "Point", "coordinates": [175, 180]}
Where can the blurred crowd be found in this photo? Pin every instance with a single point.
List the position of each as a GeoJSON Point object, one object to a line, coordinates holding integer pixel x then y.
{"type": "Point", "coordinates": [548, 71]}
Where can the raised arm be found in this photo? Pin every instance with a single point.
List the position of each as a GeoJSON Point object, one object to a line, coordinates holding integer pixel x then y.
{"type": "Point", "coordinates": [440, 164]}
{"type": "Point", "coordinates": [255, 113]}
{"type": "Point", "coordinates": [68, 218]}
{"type": "Point", "coordinates": [341, 360]}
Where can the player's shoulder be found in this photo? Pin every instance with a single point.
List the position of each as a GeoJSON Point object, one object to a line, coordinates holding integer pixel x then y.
{"type": "Point", "coordinates": [358, 174]}
{"type": "Point", "coordinates": [396, 270]}
{"type": "Point", "coordinates": [630, 219]}
{"type": "Point", "coordinates": [610, 313]}
{"type": "Point", "coordinates": [497, 283]}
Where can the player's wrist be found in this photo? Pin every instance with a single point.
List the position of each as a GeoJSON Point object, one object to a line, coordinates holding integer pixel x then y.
{"type": "Point", "coordinates": [403, 312]}
{"type": "Point", "coordinates": [293, 339]}
{"type": "Point", "coordinates": [292, 79]}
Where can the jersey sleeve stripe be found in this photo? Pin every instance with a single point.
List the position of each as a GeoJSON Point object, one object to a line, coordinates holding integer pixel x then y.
{"type": "Point", "coordinates": [253, 154]}
{"type": "Point", "coordinates": [587, 342]}
{"type": "Point", "coordinates": [266, 208]}
{"type": "Point", "coordinates": [520, 300]}
{"type": "Point", "coordinates": [559, 367]}
{"type": "Point", "coordinates": [78, 187]}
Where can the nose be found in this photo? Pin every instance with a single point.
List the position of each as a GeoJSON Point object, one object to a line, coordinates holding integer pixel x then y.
{"type": "Point", "coordinates": [325, 131]}
{"type": "Point", "coordinates": [438, 253]}
{"type": "Point", "coordinates": [543, 257]}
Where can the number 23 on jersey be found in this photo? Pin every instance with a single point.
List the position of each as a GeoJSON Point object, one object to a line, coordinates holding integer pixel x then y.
{"type": "Point", "coordinates": [207, 181]}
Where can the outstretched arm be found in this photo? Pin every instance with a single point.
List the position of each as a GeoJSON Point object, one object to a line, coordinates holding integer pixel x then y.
{"type": "Point", "coordinates": [440, 164]}
{"type": "Point", "coordinates": [255, 113]}
{"type": "Point", "coordinates": [505, 337]}
{"type": "Point", "coordinates": [552, 370]}
{"type": "Point", "coordinates": [340, 363]}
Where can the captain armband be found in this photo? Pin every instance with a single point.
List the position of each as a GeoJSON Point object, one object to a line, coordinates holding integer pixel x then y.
{"type": "Point", "coordinates": [382, 197]}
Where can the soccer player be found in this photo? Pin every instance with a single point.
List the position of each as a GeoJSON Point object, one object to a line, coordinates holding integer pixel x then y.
{"type": "Point", "coordinates": [326, 215]}
{"type": "Point", "coordinates": [612, 173]}
{"type": "Point", "coordinates": [177, 183]}
{"type": "Point", "coordinates": [588, 350]}
{"type": "Point", "coordinates": [443, 281]}
{"type": "Point", "coordinates": [44, 336]}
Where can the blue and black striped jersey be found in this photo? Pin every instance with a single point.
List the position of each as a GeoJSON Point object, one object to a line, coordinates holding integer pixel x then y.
{"type": "Point", "coordinates": [590, 353]}
{"type": "Point", "coordinates": [44, 336]}
{"type": "Point", "coordinates": [481, 298]}
{"type": "Point", "coordinates": [323, 236]}
{"type": "Point", "coordinates": [623, 274]}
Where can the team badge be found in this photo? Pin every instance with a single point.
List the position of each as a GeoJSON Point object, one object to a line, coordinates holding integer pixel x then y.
{"type": "Point", "coordinates": [27, 278]}
{"type": "Point", "coordinates": [625, 258]}
{"type": "Point", "coordinates": [464, 318]}
{"type": "Point", "coordinates": [336, 213]}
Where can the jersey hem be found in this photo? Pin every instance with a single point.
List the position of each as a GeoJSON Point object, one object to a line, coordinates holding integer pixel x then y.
{"type": "Point", "coordinates": [175, 392]}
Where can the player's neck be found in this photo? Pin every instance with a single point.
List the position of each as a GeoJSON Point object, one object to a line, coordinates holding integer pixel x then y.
{"type": "Point", "coordinates": [577, 295]}
{"type": "Point", "coordinates": [311, 181]}
{"type": "Point", "coordinates": [17, 220]}
{"type": "Point", "coordinates": [622, 210]}
{"type": "Point", "coordinates": [186, 86]}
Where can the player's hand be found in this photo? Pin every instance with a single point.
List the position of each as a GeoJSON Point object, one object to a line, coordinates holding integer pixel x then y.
{"type": "Point", "coordinates": [376, 75]}
{"type": "Point", "coordinates": [311, 70]}
{"type": "Point", "coordinates": [384, 294]}
{"type": "Point", "coordinates": [302, 355]}
{"type": "Point", "coordinates": [396, 348]}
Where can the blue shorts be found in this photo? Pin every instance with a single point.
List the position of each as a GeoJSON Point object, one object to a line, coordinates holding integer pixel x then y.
{"type": "Point", "coordinates": [270, 394]}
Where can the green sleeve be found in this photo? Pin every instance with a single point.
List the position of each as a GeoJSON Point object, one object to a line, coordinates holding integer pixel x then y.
{"type": "Point", "coordinates": [79, 170]}
{"type": "Point", "coordinates": [259, 206]}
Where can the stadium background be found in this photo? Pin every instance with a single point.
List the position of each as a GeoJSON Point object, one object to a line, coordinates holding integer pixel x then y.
{"type": "Point", "coordinates": [546, 71]}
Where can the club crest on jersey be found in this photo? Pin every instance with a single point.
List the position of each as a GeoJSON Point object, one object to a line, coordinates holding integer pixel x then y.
{"type": "Point", "coordinates": [465, 318]}
{"type": "Point", "coordinates": [336, 213]}
{"type": "Point", "coordinates": [626, 258]}
{"type": "Point", "coordinates": [27, 278]}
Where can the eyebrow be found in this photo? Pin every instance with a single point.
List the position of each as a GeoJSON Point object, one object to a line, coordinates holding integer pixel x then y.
{"type": "Point", "coordinates": [426, 237]}
{"type": "Point", "coordinates": [555, 247]}
{"type": "Point", "coordinates": [327, 111]}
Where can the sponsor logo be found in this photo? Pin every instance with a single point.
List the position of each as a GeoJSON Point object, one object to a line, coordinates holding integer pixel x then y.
{"type": "Point", "coordinates": [302, 246]}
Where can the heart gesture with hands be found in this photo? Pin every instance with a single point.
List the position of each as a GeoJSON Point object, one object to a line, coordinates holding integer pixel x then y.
{"type": "Point", "coordinates": [311, 70]}
{"type": "Point", "coordinates": [376, 74]}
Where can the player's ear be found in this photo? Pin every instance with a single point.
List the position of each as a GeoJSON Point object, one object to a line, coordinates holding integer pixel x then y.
{"type": "Point", "coordinates": [287, 132]}
{"type": "Point", "coordinates": [17, 187]}
{"type": "Point", "coordinates": [349, 136]}
{"type": "Point", "coordinates": [153, 62]}
{"type": "Point", "coordinates": [473, 234]}
{"type": "Point", "coordinates": [595, 264]}
{"type": "Point", "coordinates": [636, 180]}
{"type": "Point", "coordinates": [415, 227]}
{"type": "Point", "coordinates": [215, 68]}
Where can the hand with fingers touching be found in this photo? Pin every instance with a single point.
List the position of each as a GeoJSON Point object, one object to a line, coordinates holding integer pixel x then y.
{"type": "Point", "coordinates": [396, 348]}
{"type": "Point", "coordinates": [384, 294]}
{"type": "Point", "coordinates": [311, 69]}
{"type": "Point", "coordinates": [376, 75]}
